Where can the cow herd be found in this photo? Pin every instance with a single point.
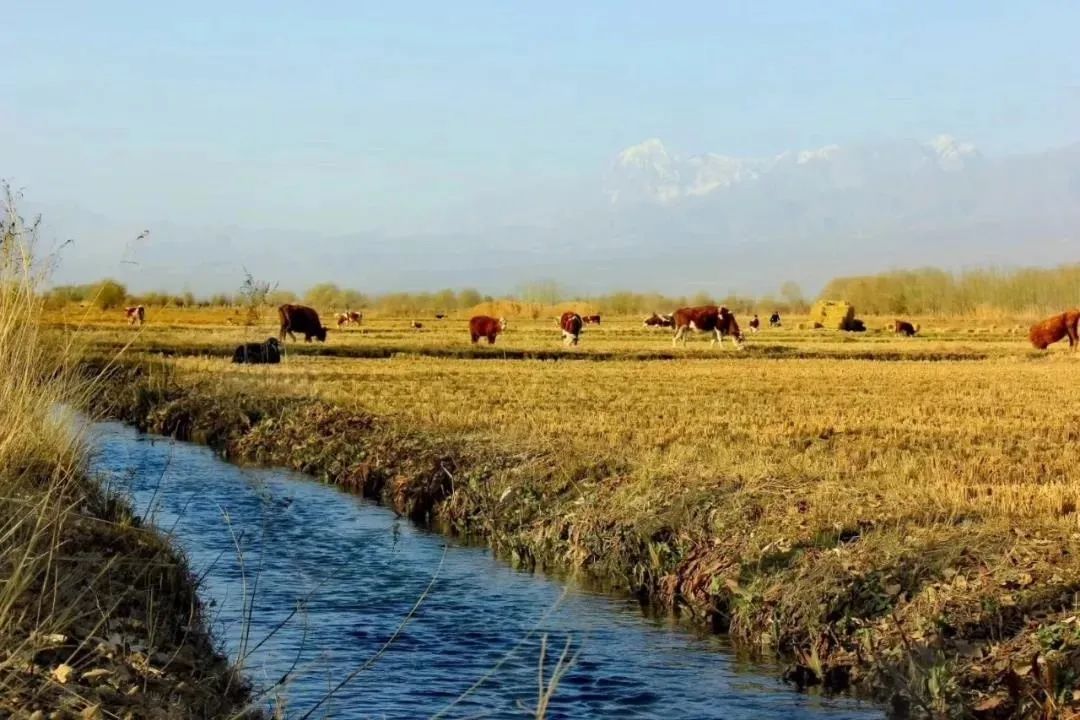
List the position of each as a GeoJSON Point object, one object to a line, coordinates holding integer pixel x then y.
{"type": "Point", "coordinates": [717, 322]}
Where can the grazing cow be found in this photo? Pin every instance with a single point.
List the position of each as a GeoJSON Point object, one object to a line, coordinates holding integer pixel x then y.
{"type": "Point", "coordinates": [268, 352]}
{"type": "Point", "coordinates": [416, 325]}
{"type": "Point", "coordinates": [591, 319]}
{"type": "Point", "coordinates": [300, 319]}
{"type": "Point", "coordinates": [903, 327]}
{"type": "Point", "coordinates": [774, 319]}
{"type": "Point", "coordinates": [707, 319]}
{"type": "Point", "coordinates": [1054, 328]}
{"type": "Point", "coordinates": [350, 317]}
{"type": "Point", "coordinates": [571, 323]}
{"type": "Point", "coordinates": [135, 315]}
{"type": "Point", "coordinates": [439, 316]}
{"type": "Point", "coordinates": [658, 321]}
{"type": "Point", "coordinates": [485, 326]}
{"type": "Point", "coordinates": [755, 324]}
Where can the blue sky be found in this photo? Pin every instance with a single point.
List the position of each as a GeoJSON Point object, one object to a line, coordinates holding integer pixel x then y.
{"type": "Point", "coordinates": [340, 116]}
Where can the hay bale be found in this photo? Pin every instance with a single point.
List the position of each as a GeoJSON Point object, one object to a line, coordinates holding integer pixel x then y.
{"type": "Point", "coordinates": [833, 314]}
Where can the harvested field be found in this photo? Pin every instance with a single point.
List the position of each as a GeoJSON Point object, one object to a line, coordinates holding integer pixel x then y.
{"type": "Point", "coordinates": [907, 526]}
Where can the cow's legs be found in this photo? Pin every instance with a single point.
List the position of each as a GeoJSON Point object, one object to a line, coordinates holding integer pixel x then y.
{"type": "Point", "coordinates": [680, 334]}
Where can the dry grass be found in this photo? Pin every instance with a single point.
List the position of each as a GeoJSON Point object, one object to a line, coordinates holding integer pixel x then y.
{"type": "Point", "coordinates": [907, 523]}
{"type": "Point", "coordinates": [97, 616]}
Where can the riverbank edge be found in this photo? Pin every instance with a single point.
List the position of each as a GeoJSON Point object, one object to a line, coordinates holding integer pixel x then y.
{"type": "Point", "coordinates": [528, 517]}
{"type": "Point", "coordinates": [132, 639]}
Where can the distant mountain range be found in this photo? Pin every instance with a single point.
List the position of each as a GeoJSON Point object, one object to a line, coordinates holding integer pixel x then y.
{"type": "Point", "coordinates": [660, 220]}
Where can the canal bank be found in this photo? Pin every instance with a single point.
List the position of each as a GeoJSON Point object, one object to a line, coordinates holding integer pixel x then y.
{"type": "Point", "coordinates": [339, 605]}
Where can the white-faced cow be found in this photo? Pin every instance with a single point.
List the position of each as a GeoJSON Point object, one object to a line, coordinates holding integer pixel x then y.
{"type": "Point", "coordinates": [755, 324]}
{"type": "Point", "coordinates": [300, 319]}
{"type": "Point", "coordinates": [658, 321]}
{"type": "Point", "coordinates": [708, 319]}
{"type": "Point", "coordinates": [571, 323]}
{"type": "Point", "coordinates": [591, 319]}
{"type": "Point", "coordinates": [350, 317]}
{"type": "Point", "coordinates": [135, 315]}
{"type": "Point", "coordinates": [486, 327]}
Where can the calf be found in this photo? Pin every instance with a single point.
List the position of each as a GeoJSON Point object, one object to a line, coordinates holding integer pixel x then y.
{"type": "Point", "coordinates": [1049, 331]}
{"type": "Point", "coordinates": [903, 327]}
{"type": "Point", "coordinates": [571, 323]}
{"type": "Point", "coordinates": [755, 324]}
{"type": "Point", "coordinates": [268, 352]}
{"type": "Point", "coordinates": [300, 319]}
{"type": "Point", "coordinates": [135, 315]}
{"type": "Point", "coordinates": [487, 327]}
{"type": "Point", "coordinates": [709, 319]}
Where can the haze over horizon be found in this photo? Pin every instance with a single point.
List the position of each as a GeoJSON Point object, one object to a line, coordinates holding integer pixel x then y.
{"type": "Point", "coordinates": [676, 148]}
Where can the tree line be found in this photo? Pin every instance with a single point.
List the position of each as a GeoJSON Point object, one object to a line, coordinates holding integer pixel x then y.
{"type": "Point", "coordinates": [109, 294]}
{"type": "Point", "coordinates": [930, 291]}
{"type": "Point", "coordinates": [923, 291]}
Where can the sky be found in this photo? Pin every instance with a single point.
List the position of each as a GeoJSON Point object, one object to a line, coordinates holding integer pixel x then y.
{"type": "Point", "coordinates": [411, 117]}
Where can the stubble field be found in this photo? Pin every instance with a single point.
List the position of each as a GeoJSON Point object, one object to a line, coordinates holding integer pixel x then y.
{"type": "Point", "coordinates": [896, 512]}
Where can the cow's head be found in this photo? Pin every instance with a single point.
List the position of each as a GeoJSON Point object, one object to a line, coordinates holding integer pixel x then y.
{"type": "Point", "coordinates": [271, 342]}
{"type": "Point", "coordinates": [502, 323]}
{"type": "Point", "coordinates": [320, 334]}
{"type": "Point", "coordinates": [729, 326]}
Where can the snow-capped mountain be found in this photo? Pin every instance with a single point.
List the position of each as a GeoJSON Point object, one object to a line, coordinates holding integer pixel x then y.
{"type": "Point", "coordinates": [648, 171]}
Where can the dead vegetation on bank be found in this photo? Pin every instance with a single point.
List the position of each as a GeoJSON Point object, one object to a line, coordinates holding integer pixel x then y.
{"type": "Point", "coordinates": [912, 530]}
{"type": "Point", "coordinates": [98, 616]}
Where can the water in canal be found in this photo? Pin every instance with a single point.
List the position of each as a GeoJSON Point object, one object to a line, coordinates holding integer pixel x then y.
{"type": "Point", "coordinates": [351, 574]}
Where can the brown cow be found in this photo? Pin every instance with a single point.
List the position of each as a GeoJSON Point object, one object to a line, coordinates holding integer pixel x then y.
{"type": "Point", "coordinates": [301, 319]}
{"type": "Point", "coordinates": [1049, 331]}
{"type": "Point", "coordinates": [135, 315]}
{"type": "Point", "coordinates": [417, 325]}
{"type": "Point", "coordinates": [591, 319]}
{"type": "Point", "coordinates": [350, 317]}
{"type": "Point", "coordinates": [903, 327]}
{"type": "Point", "coordinates": [571, 323]}
{"type": "Point", "coordinates": [485, 326]}
{"type": "Point", "coordinates": [658, 321]}
{"type": "Point", "coordinates": [708, 319]}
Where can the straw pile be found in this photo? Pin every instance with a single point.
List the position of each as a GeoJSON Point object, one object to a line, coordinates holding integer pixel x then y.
{"type": "Point", "coordinates": [833, 314]}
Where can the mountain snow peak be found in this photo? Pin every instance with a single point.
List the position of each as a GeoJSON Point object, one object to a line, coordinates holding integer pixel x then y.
{"type": "Point", "coordinates": [649, 172]}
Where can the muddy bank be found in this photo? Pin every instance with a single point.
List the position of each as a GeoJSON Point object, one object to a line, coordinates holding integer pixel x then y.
{"type": "Point", "coordinates": [931, 625]}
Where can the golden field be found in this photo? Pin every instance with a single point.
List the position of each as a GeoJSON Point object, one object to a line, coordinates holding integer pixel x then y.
{"type": "Point", "coordinates": [898, 513]}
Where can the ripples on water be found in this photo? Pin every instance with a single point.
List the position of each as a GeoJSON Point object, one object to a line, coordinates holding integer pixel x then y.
{"type": "Point", "coordinates": [356, 571]}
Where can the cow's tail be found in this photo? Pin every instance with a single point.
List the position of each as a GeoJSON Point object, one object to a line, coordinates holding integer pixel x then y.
{"type": "Point", "coordinates": [283, 318]}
